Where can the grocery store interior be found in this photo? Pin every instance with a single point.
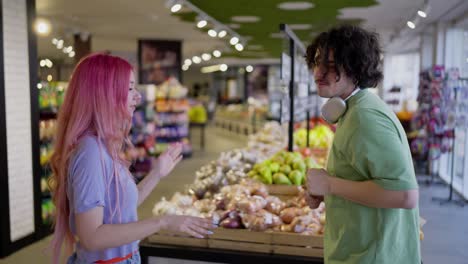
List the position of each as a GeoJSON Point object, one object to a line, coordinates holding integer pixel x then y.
{"type": "Point", "coordinates": [229, 81]}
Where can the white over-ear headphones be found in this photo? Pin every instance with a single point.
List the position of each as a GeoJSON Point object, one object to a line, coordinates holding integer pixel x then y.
{"type": "Point", "coordinates": [335, 108]}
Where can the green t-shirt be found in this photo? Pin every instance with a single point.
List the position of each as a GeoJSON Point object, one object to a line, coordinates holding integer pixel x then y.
{"type": "Point", "coordinates": [370, 144]}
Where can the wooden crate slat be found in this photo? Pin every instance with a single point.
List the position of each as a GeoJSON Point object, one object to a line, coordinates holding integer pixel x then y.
{"type": "Point", "coordinates": [243, 235]}
{"type": "Point", "coordinates": [177, 240]}
{"type": "Point", "coordinates": [239, 246]}
{"type": "Point", "coordinates": [298, 251]}
{"type": "Point", "coordinates": [293, 239]}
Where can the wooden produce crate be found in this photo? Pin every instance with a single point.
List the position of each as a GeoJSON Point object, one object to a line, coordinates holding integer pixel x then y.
{"type": "Point", "coordinates": [270, 242]}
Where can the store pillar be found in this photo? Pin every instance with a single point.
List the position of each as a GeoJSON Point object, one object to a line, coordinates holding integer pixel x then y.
{"type": "Point", "coordinates": [19, 136]}
{"type": "Point", "coordinates": [82, 45]}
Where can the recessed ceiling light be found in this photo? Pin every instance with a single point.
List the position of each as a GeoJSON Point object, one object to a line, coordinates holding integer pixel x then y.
{"type": "Point", "coordinates": [300, 26]}
{"type": "Point", "coordinates": [188, 62]}
{"type": "Point", "coordinates": [249, 68]}
{"type": "Point", "coordinates": [42, 63]}
{"type": "Point", "coordinates": [71, 54]}
{"type": "Point", "coordinates": [254, 47]}
{"type": "Point", "coordinates": [245, 19]}
{"type": "Point", "coordinates": [239, 47]}
{"type": "Point", "coordinates": [411, 24]}
{"type": "Point", "coordinates": [277, 35]}
{"type": "Point", "coordinates": [223, 67]}
{"type": "Point", "coordinates": [422, 13]}
{"type": "Point", "coordinates": [295, 5]}
{"type": "Point", "coordinates": [234, 40]}
{"type": "Point", "coordinates": [185, 67]}
{"type": "Point", "coordinates": [42, 26]}
{"type": "Point", "coordinates": [234, 26]}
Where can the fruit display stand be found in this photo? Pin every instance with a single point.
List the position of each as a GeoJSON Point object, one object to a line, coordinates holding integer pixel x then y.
{"type": "Point", "coordinates": [240, 119]}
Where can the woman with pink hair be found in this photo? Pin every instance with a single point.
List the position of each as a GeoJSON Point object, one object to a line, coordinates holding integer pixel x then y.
{"type": "Point", "coordinates": [95, 195]}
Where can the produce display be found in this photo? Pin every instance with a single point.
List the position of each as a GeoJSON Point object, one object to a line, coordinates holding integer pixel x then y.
{"type": "Point", "coordinates": [285, 168]}
{"type": "Point", "coordinates": [248, 205]}
{"type": "Point", "coordinates": [321, 136]}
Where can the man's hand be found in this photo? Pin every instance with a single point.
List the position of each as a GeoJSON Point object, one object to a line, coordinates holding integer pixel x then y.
{"type": "Point", "coordinates": [318, 182]}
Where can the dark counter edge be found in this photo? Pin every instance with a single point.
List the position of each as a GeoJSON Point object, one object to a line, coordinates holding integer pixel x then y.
{"type": "Point", "coordinates": [218, 255]}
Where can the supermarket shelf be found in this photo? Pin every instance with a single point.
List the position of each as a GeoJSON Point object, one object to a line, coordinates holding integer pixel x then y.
{"type": "Point", "coordinates": [148, 249]}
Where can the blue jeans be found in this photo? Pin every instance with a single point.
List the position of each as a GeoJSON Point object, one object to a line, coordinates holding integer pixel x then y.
{"type": "Point", "coordinates": [135, 259]}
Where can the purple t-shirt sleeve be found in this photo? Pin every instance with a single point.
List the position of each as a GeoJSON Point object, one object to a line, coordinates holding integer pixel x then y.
{"type": "Point", "coordinates": [87, 177]}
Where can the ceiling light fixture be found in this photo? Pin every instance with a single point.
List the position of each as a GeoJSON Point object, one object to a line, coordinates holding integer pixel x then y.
{"type": "Point", "coordinates": [176, 8]}
{"type": "Point", "coordinates": [239, 47]}
{"type": "Point", "coordinates": [223, 67]}
{"type": "Point", "coordinates": [42, 26]}
{"type": "Point", "coordinates": [188, 62]}
{"type": "Point", "coordinates": [212, 33]}
{"type": "Point", "coordinates": [202, 23]}
{"type": "Point", "coordinates": [206, 56]}
{"type": "Point", "coordinates": [234, 40]}
{"type": "Point", "coordinates": [411, 25]}
{"type": "Point", "coordinates": [42, 63]}
{"type": "Point", "coordinates": [249, 68]}
{"type": "Point", "coordinates": [222, 33]}
{"type": "Point", "coordinates": [71, 54]}
{"type": "Point", "coordinates": [422, 14]}
{"type": "Point", "coordinates": [196, 59]}
{"type": "Point", "coordinates": [185, 67]}
{"type": "Point", "coordinates": [217, 53]}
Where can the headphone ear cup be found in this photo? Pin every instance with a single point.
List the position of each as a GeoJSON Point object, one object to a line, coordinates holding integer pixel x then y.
{"type": "Point", "coordinates": [333, 109]}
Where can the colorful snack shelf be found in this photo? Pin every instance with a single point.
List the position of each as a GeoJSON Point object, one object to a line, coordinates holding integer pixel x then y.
{"type": "Point", "coordinates": [51, 95]}
{"type": "Point", "coordinates": [161, 119]}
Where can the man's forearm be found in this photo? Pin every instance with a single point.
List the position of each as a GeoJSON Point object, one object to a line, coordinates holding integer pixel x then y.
{"type": "Point", "coordinates": [370, 194]}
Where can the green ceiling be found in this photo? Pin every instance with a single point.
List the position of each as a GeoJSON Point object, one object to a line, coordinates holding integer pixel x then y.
{"type": "Point", "coordinates": [321, 17]}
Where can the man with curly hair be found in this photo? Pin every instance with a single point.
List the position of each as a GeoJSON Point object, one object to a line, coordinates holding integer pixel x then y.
{"type": "Point", "coordinates": [370, 187]}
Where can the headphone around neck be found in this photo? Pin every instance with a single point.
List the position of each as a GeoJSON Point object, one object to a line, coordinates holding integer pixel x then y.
{"type": "Point", "coordinates": [335, 108]}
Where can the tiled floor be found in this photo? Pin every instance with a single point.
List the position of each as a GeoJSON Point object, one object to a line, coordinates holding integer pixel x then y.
{"type": "Point", "coordinates": [446, 231]}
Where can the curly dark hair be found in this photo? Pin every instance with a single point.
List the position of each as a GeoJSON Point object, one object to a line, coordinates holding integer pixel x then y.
{"type": "Point", "coordinates": [355, 50]}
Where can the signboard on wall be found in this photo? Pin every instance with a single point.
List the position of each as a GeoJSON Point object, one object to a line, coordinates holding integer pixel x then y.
{"type": "Point", "coordinates": [159, 60]}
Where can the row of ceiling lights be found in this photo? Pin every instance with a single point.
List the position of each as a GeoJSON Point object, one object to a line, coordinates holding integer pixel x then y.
{"type": "Point", "coordinates": [59, 44]}
{"type": "Point", "coordinates": [199, 59]}
{"type": "Point", "coordinates": [217, 31]}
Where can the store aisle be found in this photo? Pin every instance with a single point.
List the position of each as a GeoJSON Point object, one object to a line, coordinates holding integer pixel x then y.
{"type": "Point", "coordinates": [445, 231]}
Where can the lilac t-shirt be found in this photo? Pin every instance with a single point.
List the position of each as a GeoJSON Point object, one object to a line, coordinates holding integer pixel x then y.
{"type": "Point", "coordinates": [90, 172]}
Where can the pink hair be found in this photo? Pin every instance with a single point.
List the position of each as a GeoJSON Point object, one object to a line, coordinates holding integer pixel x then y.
{"type": "Point", "coordinates": [95, 103]}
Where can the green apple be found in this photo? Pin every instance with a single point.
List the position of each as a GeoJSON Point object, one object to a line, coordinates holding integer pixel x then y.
{"type": "Point", "coordinates": [274, 167]}
{"type": "Point", "coordinates": [286, 169]}
{"type": "Point", "coordinates": [281, 178]}
{"type": "Point", "coordinates": [259, 178]}
{"type": "Point", "coordinates": [296, 177]}
{"type": "Point", "coordinates": [266, 175]}
{"type": "Point", "coordinates": [311, 163]}
{"type": "Point", "coordinates": [278, 159]}
{"type": "Point", "coordinates": [251, 173]}
{"type": "Point", "coordinates": [299, 165]}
